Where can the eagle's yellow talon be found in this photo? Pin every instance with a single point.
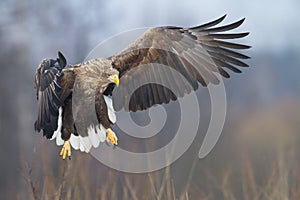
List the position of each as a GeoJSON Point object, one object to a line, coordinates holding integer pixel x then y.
{"type": "Point", "coordinates": [66, 150]}
{"type": "Point", "coordinates": [111, 137]}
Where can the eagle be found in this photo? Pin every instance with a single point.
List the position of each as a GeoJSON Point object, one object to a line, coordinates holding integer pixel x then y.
{"type": "Point", "coordinates": [162, 65]}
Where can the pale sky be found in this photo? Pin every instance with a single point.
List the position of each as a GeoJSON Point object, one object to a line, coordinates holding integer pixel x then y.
{"type": "Point", "coordinates": [273, 23]}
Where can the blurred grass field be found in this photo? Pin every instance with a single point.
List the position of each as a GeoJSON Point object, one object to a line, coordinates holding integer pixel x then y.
{"type": "Point", "coordinates": [262, 162]}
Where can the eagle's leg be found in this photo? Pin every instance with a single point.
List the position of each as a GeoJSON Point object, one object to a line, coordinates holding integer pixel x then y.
{"type": "Point", "coordinates": [66, 150]}
{"type": "Point", "coordinates": [103, 118]}
{"type": "Point", "coordinates": [111, 137]}
{"type": "Point", "coordinates": [67, 128]}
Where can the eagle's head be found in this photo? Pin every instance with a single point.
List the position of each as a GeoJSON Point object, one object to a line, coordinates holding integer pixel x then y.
{"type": "Point", "coordinates": [112, 75]}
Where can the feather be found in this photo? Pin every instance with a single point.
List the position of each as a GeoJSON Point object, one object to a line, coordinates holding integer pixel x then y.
{"type": "Point", "coordinates": [196, 53]}
{"type": "Point", "coordinates": [75, 141]}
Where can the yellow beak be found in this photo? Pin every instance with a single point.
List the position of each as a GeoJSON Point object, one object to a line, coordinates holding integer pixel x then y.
{"type": "Point", "coordinates": [114, 79]}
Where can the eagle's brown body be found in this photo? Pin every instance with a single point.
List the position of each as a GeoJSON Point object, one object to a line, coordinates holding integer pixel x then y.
{"type": "Point", "coordinates": [163, 64]}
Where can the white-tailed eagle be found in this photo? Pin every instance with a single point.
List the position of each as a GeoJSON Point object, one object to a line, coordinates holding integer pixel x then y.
{"type": "Point", "coordinates": [192, 56]}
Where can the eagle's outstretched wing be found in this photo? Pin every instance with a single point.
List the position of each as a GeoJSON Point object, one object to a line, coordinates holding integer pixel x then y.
{"type": "Point", "coordinates": [168, 62]}
{"type": "Point", "coordinates": [51, 90]}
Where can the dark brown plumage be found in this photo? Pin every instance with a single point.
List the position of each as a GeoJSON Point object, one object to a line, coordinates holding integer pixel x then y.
{"type": "Point", "coordinates": [163, 64]}
{"type": "Point", "coordinates": [196, 53]}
